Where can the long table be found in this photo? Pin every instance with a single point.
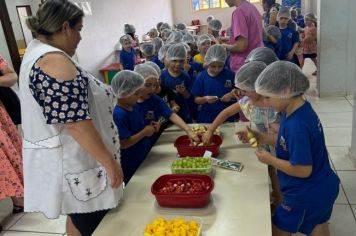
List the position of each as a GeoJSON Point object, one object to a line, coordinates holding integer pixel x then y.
{"type": "Point", "coordinates": [240, 202]}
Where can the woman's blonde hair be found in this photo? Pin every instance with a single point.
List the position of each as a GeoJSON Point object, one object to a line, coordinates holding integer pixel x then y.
{"type": "Point", "coordinates": [52, 14]}
{"type": "Point", "coordinates": [311, 17]}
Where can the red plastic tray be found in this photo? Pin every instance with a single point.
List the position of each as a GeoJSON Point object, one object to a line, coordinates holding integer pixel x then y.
{"type": "Point", "coordinates": [181, 200]}
{"type": "Point", "coordinates": [184, 149]}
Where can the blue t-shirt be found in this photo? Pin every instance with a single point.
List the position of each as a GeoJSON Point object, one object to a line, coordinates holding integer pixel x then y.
{"type": "Point", "coordinates": [301, 142]}
{"type": "Point", "coordinates": [130, 123]}
{"type": "Point", "coordinates": [205, 85]}
{"type": "Point", "coordinates": [195, 69]}
{"type": "Point", "coordinates": [153, 109]}
{"type": "Point", "coordinates": [172, 82]}
{"type": "Point", "coordinates": [289, 38]}
{"type": "Point", "coordinates": [158, 62]}
{"type": "Point", "coordinates": [127, 59]}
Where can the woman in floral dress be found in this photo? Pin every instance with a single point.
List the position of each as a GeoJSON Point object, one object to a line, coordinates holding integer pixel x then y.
{"type": "Point", "coordinates": [11, 175]}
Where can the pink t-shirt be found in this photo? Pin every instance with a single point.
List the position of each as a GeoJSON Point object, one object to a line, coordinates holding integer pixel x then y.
{"type": "Point", "coordinates": [246, 22]}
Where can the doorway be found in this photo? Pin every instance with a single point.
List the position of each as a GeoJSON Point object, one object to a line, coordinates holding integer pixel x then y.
{"type": "Point", "coordinates": [23, 13]}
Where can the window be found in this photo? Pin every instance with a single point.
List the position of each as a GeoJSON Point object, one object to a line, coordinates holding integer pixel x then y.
{"type": "Point", "coordinates": [198, 5]}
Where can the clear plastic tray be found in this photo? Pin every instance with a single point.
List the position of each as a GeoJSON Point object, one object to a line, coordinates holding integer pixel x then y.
{"type": "Point", "coordinates": [205, 171]}
{"type": "Point", "coordinates": [199, 220]}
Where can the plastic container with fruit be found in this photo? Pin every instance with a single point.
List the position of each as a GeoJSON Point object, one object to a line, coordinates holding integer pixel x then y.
{"type": "Point", "coordinates": [174, 225]}
{"type": "Point", "coordinates": [186, 147]}
{"type": "Point", "coordinates": [183, 190]}
{"type": "Point", "coordinates": [192, 165]}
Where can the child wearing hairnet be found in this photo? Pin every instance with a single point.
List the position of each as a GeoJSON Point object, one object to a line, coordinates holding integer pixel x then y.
{"type": "Point", "coordinates": [214, 27]}
{"type": "Point", "coordinates": [133, 131]}
{"type": "Point", "coordinates": [250, 104]}
{"type": "Point", "coordinates": [157, 44]}
{"type": "Point", "coordinates": [272, 38]}
{"type": "Point", "coordinates": [152, 108]}
{"type": "Point", "coordinates": [147, 50]}
{"type": "Point", "coordinates": [289, 39]}
{"type": "Point", "coordinates": [131, 30]}
{"type": "Point", "coordinates": [177, 80]}
{"type": "Point", "coordinates": [127, 54]}
{"type": "Point", "coordinates": [213, 87]}
{"type": "Point", "coordinates": [308, 184]}
{"type": "Point", "coordinates": [203, 44]}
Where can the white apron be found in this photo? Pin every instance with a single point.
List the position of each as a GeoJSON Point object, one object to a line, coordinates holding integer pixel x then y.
{"type": "Point", "coordinates": [59, 176]}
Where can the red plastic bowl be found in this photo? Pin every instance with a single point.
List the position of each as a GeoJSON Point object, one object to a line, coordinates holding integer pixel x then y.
{"type": "Point", "coordinates": [182, 200]}
{"type": "Point", "coordinates": [184, 149]}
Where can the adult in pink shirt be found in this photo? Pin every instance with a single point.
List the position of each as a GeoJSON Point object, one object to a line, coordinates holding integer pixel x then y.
{"type": "Point", "coordinates": [246, 32]}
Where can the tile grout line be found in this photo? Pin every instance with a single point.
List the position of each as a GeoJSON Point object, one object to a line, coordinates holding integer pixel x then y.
{"type": "Point", "coordinates": [37, 232]}
{"type": "Point", "coordinates": [16, 221]}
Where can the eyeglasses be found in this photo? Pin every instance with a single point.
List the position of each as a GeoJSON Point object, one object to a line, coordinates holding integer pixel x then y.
{"type": "Point", "coordinates": [283, 18]}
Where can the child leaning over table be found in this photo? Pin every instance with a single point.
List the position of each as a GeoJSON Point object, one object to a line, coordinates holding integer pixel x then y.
{"type": "Point", "coordinates": [133, 131]}
{"type": "Point", "coordinates": [308, 184]}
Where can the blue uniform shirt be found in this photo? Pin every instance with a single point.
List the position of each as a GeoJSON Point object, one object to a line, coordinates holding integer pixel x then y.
{"type": "Point", "coordinates": [158, 62]}
{"type": "Point", "coordinates": [289, 38]}
{"type": "Point", "coordinates": [205, 85]}
{"type": "Point", "coordinates": [130, 123]}
{"type": "Point", "coordinates": [153, 109]}
{"type": "Point", "coordinates": [127, 59]}
{"type": "Point", "coordinates": [172, 82]}
{"type": "Point", "coordinates": [301, 142]}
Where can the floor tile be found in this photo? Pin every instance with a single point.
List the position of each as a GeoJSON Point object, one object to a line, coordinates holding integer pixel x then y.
{"type": "Point", "coordinates": [334, 104]}
{"type": "Point", "coordinates": [341, 198]}
{"type": "Point", "coordinates": [339, 137]}
{"type": "Point", "coordinates": [341, 158]}
{"type": "Point", "coordinates": [36, 222]}
{"type": "Point", "coordinates": [19, 233]}
{"type": "Point", "coordinates": [336, 119]}
{"type": "Point", "coordinates": [5, 208]}
{"type": "Point", "coordinates": [11, 220]}
{"type": "Point", "coordinates": [348, 182]}
{"type": "Point", "coordinates": [342, 221]}
{"type": "Point", "coordinates": [354, 209]}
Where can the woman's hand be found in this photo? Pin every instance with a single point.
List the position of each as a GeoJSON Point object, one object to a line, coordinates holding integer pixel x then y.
{"type": "Point", "coordinates": [264, 156]}
{"type": "Point", "coordinates": [243, 135]}
{"type": "Point", "coordinates": [207, 137]}
{"type": "Point", "coordinates": [114, 172]}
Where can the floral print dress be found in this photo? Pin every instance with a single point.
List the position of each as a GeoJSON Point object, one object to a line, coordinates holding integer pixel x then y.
{"type": "Point", "coordinates": [11, 172]}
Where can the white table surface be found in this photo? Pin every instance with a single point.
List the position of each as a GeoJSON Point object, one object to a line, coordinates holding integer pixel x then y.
{"type": "Point", "coordinates": [240, 202]}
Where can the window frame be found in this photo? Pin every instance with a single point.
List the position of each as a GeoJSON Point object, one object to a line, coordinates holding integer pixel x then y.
{"type": "Point", "coordinates": [221, 5]}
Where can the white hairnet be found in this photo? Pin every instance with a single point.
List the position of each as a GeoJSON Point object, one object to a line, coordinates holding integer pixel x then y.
{"type": "Point", "coordinates": [263, 54]}
{"type": "Point", "coordinates": [165, 26]}
{"type": "Point", "coordinates": [215, 53]}
{"type": "Point", "coordinates": [129, 29]}
{"type": "Point", "coordinates": [188, 38]}
{"type": "Point", "coordinates": [162, 51]}
{"type": "Point", "coordinates": [153, 32]}
{"type": "Point", "coordinates": [146, 71]}
{"type": "Point", "coordinates": [202, 39]}
{"type": "Point", "coordinates": [147, 49]}
{"type": "Point", "coordinates": [274, 31]}
{"type": "Point", "coordinates": [126, 82]}
{"type": "Point", "coordinates": [125, 38]}
{"type": "Point", "coordinates": [181, 26]}
{"type": "Point", "coordinates": [158, 26]}
{"type": "Point", "coordinates": [215, 25]}
{"type": "Point", "coordinates": [281, 79]}
{"type": "Point", "coordinates": [209, 18]}
{"type": "Point", "coordinates": [154, 66]}
{"type": "Point", "coordinates": [176, 52]}
{"type": "Point", "coordinates": [157, 43]}
{"type": "Point", "coordinates": [284, 12]}
{"type": "Point", "coordinates": [246, 76]}
{"type": "Point", "coordinates": [165, 33]}
{"type": "Point", "coordinates": [174, 37]}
